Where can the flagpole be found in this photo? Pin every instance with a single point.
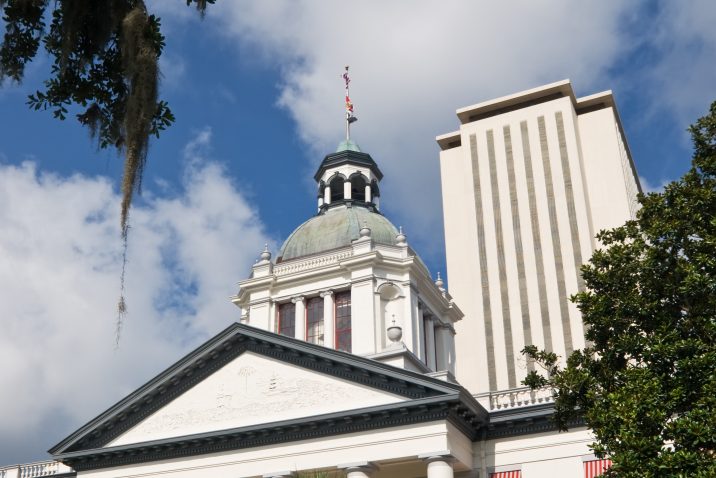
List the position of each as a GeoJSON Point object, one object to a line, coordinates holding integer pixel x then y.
{"type": "Point", "coordinates": [348, 114]}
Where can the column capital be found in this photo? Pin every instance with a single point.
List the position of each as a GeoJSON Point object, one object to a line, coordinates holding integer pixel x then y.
{"type": "Point", "coordinates": [360, 466]}
{"type": "Point", "coordinates": [297, 298]}
{"type": "Point", "coordinates": [445, 456]}
{"type": "Point", "coordinates": [325, 293]}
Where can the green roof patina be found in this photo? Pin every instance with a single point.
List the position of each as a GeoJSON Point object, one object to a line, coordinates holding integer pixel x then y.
{"type": "Point", "coordinates": [336, 228]}
{"type": "Point", "coordinates": [347, 145]}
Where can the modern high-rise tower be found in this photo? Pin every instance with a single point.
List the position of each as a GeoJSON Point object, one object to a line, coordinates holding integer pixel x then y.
{"type": "Point", "coordinates": [528, 180]}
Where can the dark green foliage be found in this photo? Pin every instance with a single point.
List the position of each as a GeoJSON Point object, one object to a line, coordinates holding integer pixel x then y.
{"type": "Point", "coordinates": [105, 61]}
{"type": "Point", "coordinates": [105, 57]}
{"type": "Point", "coordinates": [646, 384]}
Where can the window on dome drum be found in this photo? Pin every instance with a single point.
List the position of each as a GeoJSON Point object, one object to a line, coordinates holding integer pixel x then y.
{"type": "Point", "coordinates": [337, 188]}
{"type": "Point", "coordinates": [287, 319]}
{"type": "Point", "coordinates": [358, 184]}
{"type": "Point", "coordinates": [314, 320]}
{"type": "Point", "coordinates": [343, 321]}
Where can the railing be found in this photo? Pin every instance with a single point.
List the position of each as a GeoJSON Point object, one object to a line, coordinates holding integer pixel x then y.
{"type": "Point", "coordinates": [35, 470]}
{"type": "Point", "coordinates": [298, 266]}
{"type": "Point", "coordinates": [517, 397]}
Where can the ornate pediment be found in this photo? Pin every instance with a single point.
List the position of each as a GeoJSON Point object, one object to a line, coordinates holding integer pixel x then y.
{"type": "Point", "coordinates": [247, 387]}
{"type": "Point", "coordinates": [250, 390]}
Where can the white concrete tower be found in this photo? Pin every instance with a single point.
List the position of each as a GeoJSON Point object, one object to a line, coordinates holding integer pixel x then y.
{"type": "Point", "coordinates": [527, 181]}
{"type": "Point", "coordinates": [347, 279]}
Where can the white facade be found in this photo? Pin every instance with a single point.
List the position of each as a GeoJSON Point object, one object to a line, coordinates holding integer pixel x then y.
{"type": "Point", "coordinates": [388, 285]}
{"type": "Point", "coordinates": [528, 180]}
{"type": "Point", "coordinates": [344, 361]}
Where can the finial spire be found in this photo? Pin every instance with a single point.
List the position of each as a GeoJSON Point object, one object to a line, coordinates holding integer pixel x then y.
{"type": "Point", "coordinates": [349, 107]}
{"type": "Point", "coordinates": [265, 254]}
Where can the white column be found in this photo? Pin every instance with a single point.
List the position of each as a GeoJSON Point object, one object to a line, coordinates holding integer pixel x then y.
{"type": "Point", "coordinates": [359, 470]}
{"type": "Point", "coordinates": [347, 189]}
{"type": "Point", "coordinates": [300, 320]}
{"type": "Point", "coordinates": [367, 193]}
{"type": "Point", "coordinates": [430, 343]}
{"type": "Point", "coordinates": [440, 466]}
{"type": "Point", "coordinates": [320, 202]}
{"type": "Point", "coordinates": [327, 195]}
{"type": "Point", "coordinates": [329, 320]}
{"type": "Point", "coordinates": [376, 201]}
{"type": "Point", "coordinates": [442, 345]}
{"type": "Point", "coordinates": [451, 349]}
{"type": "Point", "coordinates": [410, 318]}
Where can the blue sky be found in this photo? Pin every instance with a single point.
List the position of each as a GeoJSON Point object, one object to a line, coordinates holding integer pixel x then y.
{"type": "Point", "coordinates": [257, 93]}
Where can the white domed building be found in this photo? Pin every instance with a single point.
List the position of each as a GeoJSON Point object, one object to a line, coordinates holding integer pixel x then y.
{"type": "Point", "coordinates": [346, 276]}
{"type": "Point", "coordinates": [344, 362]}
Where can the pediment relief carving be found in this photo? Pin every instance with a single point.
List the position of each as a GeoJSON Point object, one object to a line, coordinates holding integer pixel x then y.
{"type": "Point", "coordinates": [253, 389]}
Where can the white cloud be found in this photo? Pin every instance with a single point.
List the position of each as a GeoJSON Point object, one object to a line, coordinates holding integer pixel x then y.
{"type": "Point", "coordinates": [59, 284]}
{"type": "Point", "coordinates": [683, 75]}
{"type": "Point", "coordinates": [649, 187]}
{"type": "Point", "coordinates": [173, 69]}
{"type": "Point", "coordinates": [414, 63]}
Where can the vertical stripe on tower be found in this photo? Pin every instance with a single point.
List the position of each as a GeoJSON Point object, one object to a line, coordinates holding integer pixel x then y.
{"type": "Point", "coordinates": [569, 189]}
{"type": "Point", "coordinates": [556, 243]}
{"type": "Point", "coordinates": [517, 235]}
{"type": "Point", "coordinates": [504, 297]}
{"type": "Point", "coordinates": [536, 239]}
{"type": "Point", "coordinates": [482, 260]}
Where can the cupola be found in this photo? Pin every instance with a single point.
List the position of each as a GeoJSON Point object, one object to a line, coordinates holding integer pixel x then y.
{"type": "Point", "coordinates": [347, 279]}
{"type": "Point", "coordinates": [348, 176]}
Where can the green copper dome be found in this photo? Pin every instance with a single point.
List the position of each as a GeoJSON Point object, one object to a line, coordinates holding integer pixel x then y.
{"type": "Point", "coordinates": [335, 228]}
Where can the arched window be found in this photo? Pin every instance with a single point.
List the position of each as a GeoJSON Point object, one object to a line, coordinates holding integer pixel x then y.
{"type": "Point", "coordinates": [358, 184]}
{"type": "Point", "coordinates": [314, 320]}
{"type": "Point", "coordinates": [337, 188]}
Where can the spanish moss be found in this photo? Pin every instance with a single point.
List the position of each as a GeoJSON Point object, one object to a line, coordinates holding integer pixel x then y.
{"type": "Point", "coordinates": [105, 57]}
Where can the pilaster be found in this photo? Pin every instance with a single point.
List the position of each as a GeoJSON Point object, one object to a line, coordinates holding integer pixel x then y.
{"type": "Point", "coordinates": [429, 324]}
{"type": "Point", "coordinates": [300, 320]}
{"type": "Point", "coordinates": [329, 319]}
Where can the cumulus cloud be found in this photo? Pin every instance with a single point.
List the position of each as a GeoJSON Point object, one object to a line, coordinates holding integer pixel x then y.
{"type": "Point", "coordinates": [649, 187]}
{"type": "Point", "coordinates": [61, 256]}
{"type": "Point", "coordinates": [413, 64]}
{"type": "Point", "coordinates": [682, 77]}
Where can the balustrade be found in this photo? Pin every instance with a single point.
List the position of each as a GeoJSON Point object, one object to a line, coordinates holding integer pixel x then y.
{"type": "Point", "coordinates": [519, 397]}
{"type": "Point", "coordinates": [35, 470]}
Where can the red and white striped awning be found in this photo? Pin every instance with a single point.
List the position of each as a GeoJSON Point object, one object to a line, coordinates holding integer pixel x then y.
{"type": "Point", "coordinates": [507, 474]}
{"type": "Point", "coordinates": [595, 468]}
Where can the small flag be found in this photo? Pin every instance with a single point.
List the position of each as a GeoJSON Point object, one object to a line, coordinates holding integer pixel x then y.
{"type": "Point", "coordinates": [349, 106]}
